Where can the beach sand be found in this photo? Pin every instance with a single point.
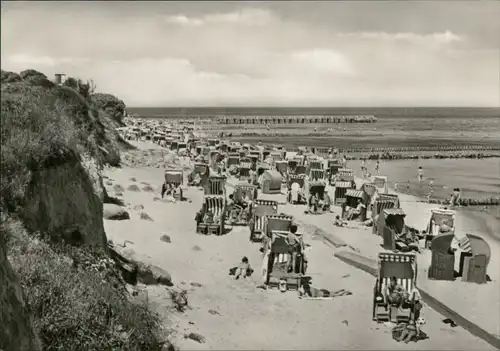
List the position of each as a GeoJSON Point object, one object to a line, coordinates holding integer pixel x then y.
{"type": "Point", "coordinates": [234, 314]}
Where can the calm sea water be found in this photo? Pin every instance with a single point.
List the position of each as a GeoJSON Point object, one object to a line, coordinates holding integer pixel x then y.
{"type": "Point", "coordinates": [476, 178]}
{"type": "Point", "coordinates": [396, 127]}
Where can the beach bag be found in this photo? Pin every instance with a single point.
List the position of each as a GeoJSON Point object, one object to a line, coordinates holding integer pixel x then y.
{"type": "Point", "coordinates": [397, 331]}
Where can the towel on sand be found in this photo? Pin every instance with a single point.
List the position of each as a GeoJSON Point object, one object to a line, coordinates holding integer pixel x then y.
{"type": "Point", "coordinates": [407, 332]}
{"type": "Point", "coordinates": [233, 270]}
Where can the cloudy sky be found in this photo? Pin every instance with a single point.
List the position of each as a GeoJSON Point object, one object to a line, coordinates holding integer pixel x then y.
{"type": "Point", "coordinates": [378, 53]}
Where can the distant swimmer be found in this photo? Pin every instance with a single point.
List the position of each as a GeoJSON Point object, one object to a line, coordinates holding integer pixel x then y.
{"type": "Point", "coordinates": [363, 167]}
{"type": "Point", "coordinates": [420, 175]}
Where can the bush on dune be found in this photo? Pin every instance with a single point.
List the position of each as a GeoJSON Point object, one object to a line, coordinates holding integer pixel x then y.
{"type": "Point", "coordinates": [78, 300]}
{"type": "Point", "coordinates": [113, 106]}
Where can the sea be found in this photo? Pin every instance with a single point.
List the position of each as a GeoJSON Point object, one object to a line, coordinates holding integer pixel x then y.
{"type": "Point", "coordinates": [395, 127]}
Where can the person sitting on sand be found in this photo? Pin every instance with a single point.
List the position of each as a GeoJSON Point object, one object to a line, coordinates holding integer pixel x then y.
{"type": "Point", "coordinates": [242, 269]}
{"type": "Point", "coordinates": [394, 293]}
{"type": "Point", "coordinates": [164, 189]}
{"type": "Point", "coordinates": [339, 222]}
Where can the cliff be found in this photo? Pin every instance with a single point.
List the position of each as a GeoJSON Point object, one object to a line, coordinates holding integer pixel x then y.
{"type": "Point", "coordinates": [52, 153]}
{"type": "Point", "coordinates": [56, 139]}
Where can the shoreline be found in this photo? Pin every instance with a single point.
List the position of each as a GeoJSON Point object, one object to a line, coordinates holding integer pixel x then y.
{"type": "Point", "coordinates": [481, 216]}
{"type": "Point", "coordinates": [485, 219]}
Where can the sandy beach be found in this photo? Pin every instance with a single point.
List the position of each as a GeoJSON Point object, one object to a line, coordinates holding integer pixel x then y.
{"type": "Point", "coordinates": [235, 314]}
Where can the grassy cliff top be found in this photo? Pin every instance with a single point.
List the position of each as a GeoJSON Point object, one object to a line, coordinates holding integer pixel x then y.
{"type": "Point", "coordinates": [43, 123]}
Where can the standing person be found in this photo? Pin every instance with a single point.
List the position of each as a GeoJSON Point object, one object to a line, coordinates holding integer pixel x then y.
{"type": "Point", "coordinates": [455, 197]}
{"type": "Point", "coordinates": [363, 167]}
{"type": "Point", "coordinates": [377, 167]}
{"type": "Point", "coordinates": [420, 175]}
{"type": "Point", "coordinates": [294, 248]}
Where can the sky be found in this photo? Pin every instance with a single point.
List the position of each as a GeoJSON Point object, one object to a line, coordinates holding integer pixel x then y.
{"type": "Point", "coordinates": [330, 53]}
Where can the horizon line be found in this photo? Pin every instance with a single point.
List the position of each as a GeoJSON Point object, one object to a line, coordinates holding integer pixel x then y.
{"type": "Point", "coordinates": [350, 107]}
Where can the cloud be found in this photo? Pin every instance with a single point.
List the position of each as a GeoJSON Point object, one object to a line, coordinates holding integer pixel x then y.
{"type": "Point", "coordinates": [324, 60]}
{"type": "Point", "coordinates": [29, 60]}
{"type": "Point", "coordinates": [246, 17]}
{"type": "Point", "coordinates": [252, 56]}
{"type": "Point", "coordinates": [446, 37]}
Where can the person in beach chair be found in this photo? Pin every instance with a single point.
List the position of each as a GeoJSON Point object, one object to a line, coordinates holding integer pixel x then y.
{"type": "Point", "coordinates": [231, 206]}
{"type": "Point", "coordinates": [395, 294]}
{"type": "Point", "coordinates": [247, 206]}
{"type": "Point", "coordinates": [353, 213]}
{"type": "Point", "coordinates": [209, 217]}
{"type": "Point", "coordinates": [243, 206]}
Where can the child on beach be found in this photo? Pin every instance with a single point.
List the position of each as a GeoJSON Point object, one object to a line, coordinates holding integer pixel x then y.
{"type": "Point", "coordinates": [242, 269]}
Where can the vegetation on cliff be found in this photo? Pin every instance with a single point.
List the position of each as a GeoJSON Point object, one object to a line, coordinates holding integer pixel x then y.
{"type": "Point", "coordinates": [55, 139]}
{"type": "Point", "coordinates": [77, 299]}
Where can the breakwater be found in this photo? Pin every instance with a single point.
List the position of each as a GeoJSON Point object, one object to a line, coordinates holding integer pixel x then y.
{"type": "Point", "coordinates": [295, 119]}
{"type": "Point", "coordinates": [491, 201]}
{"type": "Point", "coordinates": [411, 153]}
{"type": "Point", "coordinates": [401, 155]}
